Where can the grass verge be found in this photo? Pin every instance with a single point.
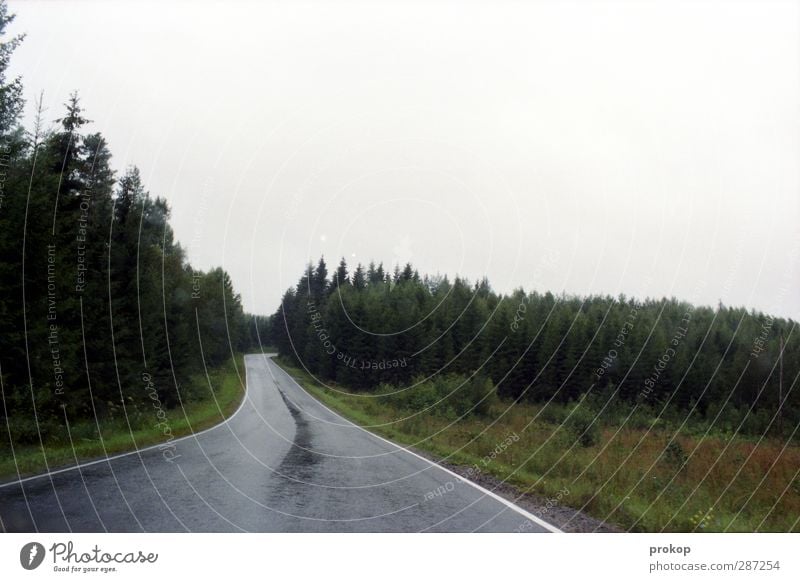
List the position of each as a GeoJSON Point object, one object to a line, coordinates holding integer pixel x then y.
{"type": "Point", "coordinates": [636, 477]}
{"type": "Point", "coordinates": [216, 397]}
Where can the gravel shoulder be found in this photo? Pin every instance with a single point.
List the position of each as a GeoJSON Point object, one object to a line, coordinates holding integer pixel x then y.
{"type": "Point", "coordinates": [565, 518]}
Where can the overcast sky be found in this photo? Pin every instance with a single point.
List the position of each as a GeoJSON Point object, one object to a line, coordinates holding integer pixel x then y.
{"type": "Point", "coordinates": [649, 148]}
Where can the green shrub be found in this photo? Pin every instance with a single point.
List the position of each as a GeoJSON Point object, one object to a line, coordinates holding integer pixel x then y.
{"type": "Point", "coordinates": [417, 398]}
{"type": "Point", "coordinates": [26, 431]}
{"type": "Point", "coordinates": [582, 426]}
{"type": "Point", "coordinates": [470, 397]}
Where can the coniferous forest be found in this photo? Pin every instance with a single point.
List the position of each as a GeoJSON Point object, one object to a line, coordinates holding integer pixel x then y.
{"type": "Point", "coordinates": [560, 412]}
{"type": "Point", "coordinates": [99, 306]}
{"type": "Point", "coordinates": [98, 294]}
{"type": "Point", "coordinates": [719, 366]}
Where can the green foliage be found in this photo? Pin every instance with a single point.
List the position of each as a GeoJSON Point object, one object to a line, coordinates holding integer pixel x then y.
{"type": "Point", "coordinates": [100, 313]}
{"type": "Point", "coordinates": [618, 479]}
{"type": "Point", "coordinates": [475, 396]}
{"type": "Point", "coordinates": [583, 426]}
{"type": "Point", "coordinates": [657, 362]}
{"type": "Point", "coordinates": [11, 101]}
{"type": "Point", "coordinates": [448, 396]}
{"type": "Point", "coordinates": [94, 437]}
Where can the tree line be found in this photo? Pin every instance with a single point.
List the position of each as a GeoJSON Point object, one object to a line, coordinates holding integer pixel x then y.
{"type": "Point", "coordinates": [373, 327]}
{"type": "Point", "coordinates": [99, 305]}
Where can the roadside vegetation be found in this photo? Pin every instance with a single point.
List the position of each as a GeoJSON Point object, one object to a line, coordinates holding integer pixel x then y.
{"type": "Point", "coordinates": [732, 369]}
{"type": "Point", "coordinates": [653, 414]}
{"type": "Point", "coordinates": [648, 474]}
{"type": "Point", "coordinates": [208, 400]}
{"type": "Point", "coordinates": [101, 314]}
{"type": "Point", "coordinates": [650, 413]}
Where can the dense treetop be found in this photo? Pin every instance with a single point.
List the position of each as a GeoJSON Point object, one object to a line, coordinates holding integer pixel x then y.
{"type": "Point", "coordinates": [96, 293]}
{"type": "Point", "coordinates": [368, 327]}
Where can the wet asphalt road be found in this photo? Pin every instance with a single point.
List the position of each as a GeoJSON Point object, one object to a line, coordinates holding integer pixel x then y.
{"type": "Point", "coordinates": [282, 463]}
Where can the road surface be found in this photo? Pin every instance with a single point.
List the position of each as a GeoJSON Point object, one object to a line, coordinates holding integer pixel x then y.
{"type": "Point", "coordinates": [282, 463]}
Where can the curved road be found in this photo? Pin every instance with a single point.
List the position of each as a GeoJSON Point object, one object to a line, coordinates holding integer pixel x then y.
{"type": "Point", "coordinates": [282, 463]}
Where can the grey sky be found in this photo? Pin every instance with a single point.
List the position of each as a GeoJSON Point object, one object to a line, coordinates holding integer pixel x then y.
{"type": "Point", "coordinates": [650, 148]}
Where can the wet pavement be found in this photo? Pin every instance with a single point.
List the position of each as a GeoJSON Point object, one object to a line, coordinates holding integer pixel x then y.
{"type": "Point", "coordinates": [282, 463]}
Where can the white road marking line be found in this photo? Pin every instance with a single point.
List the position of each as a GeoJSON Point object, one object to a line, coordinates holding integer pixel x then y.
{"type": "Point", "coordinates": [137, 451]}
{"type": "Point", "coordinates": [526, 514]}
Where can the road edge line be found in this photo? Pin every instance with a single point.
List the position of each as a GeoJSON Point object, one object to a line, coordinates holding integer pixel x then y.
{"type": "Point", "coordinates": [526, 514]}
{"type": "Point", "coordinates": [136, 451]}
